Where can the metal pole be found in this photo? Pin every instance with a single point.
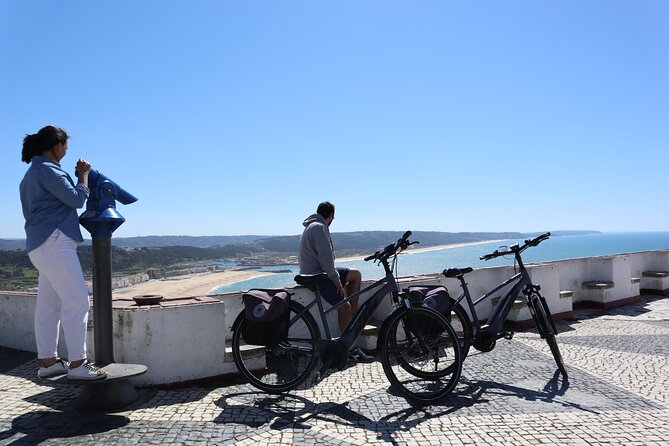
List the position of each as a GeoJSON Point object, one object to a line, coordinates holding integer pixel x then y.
{"type": "Point", "coordinates": [102, 302]}
{"type": "Point", "coordinates": [101, 219]}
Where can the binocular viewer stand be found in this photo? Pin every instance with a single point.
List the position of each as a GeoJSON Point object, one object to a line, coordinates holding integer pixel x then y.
{"type": "Point", "coordinates": [115, 391]}
{"type": "Point", "coordinates": [101, 219]}
{"type": "Point", "coordinates": [111, 393]}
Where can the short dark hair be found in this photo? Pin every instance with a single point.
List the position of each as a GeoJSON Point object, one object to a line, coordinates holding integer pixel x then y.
{"type": "Point", "coordinates": [325, 209]}
{"type": "Point", "coordinates": [42, 141]}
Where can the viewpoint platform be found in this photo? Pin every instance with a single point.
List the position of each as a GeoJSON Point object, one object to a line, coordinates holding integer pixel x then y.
{"type": "Point", "coordinates": [618, 394]}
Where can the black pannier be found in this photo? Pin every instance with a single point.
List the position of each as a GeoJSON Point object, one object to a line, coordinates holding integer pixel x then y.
{"type": "Point", "coordinates": [266, 316]}
{"type": "Point", "coordinates": [435, 297]}
{"type": "Point", "coordinates": [432, 296]}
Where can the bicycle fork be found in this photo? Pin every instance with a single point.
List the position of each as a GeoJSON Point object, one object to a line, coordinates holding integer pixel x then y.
{"type": "Point", "coordinates": [535, 298]}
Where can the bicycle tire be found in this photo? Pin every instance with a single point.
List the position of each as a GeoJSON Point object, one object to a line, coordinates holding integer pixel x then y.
{"type": "Point", "coordinates": [420, 354]}
{"type": "Point", "coordinates": [462, 325]}
{"type": "Point", "coordinates": [284, 367]}
{"type": "Point", "coordinates": [541, 315]}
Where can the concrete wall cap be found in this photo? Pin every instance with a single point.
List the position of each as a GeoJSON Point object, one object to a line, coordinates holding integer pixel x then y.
{"type": "Point", "coordinates": [655, 274]}
{"type": "Point", "coordinates": [596, 285]}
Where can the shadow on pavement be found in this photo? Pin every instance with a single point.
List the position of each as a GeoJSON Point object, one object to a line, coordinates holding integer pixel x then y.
{"type": "Point", "coordinates": [256, 409]}
{"type": "Point", "coordinates": [10, 358]}
{"type": "Point", "coordinates": [287, 411]}
{"type": "Point", "coordinates": [550, 393]}
{"type": "Point", "coordinates": [40, 426]}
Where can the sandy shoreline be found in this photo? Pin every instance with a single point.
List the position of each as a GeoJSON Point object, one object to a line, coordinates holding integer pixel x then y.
{"type": "Point", "coordinates": [191, 285]}
{"type": "Point", "coordinates": [201, 284]}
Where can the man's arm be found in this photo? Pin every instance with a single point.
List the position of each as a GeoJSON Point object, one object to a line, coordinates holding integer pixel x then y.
{"type": "Point", "coordinates": [326, 256]}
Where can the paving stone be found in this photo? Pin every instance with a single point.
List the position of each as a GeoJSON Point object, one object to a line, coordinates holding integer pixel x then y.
{"type": "Point", "coordinates": [618, 393]}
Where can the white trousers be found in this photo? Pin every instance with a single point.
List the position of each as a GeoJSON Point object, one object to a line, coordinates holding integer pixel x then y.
{"type": "Point", "coordinates": [62, 297]}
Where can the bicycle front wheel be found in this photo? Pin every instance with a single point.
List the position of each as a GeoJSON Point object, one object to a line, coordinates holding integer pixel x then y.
{"type": "Point", "coordinates": [541, 314]}
{"type": "Point", "coordinates": [285, 366]}
{"type": "Point", "coordinates": [420, 354]}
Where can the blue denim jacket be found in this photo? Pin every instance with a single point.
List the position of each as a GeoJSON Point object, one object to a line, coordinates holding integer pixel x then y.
{"type": "Point", "coordinates": [49, 199]}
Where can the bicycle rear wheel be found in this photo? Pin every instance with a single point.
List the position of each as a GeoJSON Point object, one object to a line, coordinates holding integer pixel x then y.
{"type": "Point", "coordinates": [283, 367]}
{"type": "Point", "coordinates": [420, 354]}
{"type": "Point", "coordinates": [462, 325]}
{"type": "Point", "coordinates": [541, 314]}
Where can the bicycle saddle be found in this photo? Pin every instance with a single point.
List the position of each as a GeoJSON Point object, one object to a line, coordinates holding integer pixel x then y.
{"type": "Point", "coordinates": [455, 272]}
{"type": "Point", "coordinates": [310, 280]}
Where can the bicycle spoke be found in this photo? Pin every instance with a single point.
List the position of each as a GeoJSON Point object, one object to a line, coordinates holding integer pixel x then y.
{"type": "Point", "coordinates": [420, 355]}
{"type": "Point", "coordinates": [284, 367]}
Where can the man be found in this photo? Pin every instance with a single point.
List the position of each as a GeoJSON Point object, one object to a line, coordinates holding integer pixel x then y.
{"type": "Point", "coordinates": [316, 255]}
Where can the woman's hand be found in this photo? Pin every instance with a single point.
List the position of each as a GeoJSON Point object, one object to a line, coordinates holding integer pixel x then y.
{"type": "Point", "coordinates": [82, 169]}
{"type": "Point", "coordinates": [82, 166]}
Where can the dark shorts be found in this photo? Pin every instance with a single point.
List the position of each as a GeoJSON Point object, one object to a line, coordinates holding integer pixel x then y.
{"type": "Point", "coordinates": [329, 290]}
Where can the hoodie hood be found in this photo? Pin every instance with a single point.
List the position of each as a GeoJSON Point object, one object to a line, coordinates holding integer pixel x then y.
{"type": "Point", "coordinates": [314, 218]}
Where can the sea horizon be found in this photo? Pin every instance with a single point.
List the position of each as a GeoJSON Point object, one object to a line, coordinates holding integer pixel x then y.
{"type": "Point", "coordinates": [436, 260]}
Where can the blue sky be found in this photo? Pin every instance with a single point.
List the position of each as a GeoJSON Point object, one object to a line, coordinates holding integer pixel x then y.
{"type": "Point", "coordinates": [238, 117]}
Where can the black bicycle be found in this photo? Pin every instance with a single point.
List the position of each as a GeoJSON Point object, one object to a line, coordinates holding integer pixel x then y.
{"type": "Point", "coordinates": [419, 350]}
{"type": "Point", "coordinates": [470, 332]}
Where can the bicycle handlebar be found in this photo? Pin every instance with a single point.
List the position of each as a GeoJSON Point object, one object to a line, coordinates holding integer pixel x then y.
{"type": "Point", "coordinates": [401, 244]}
{"type": "Point", "coordinates": [537, 240]}
{"type": "Point", "coordinates": [515, 249]}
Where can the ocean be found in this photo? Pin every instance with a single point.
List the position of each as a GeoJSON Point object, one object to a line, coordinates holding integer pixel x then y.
{"type": "Point", "coordinates": [428, 262]}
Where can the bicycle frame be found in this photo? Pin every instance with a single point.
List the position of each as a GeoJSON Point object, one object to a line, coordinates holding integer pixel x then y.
{"type": "Point", "coordinates": [503, 307]}
{"type": "Point", "coordinates": [365, 310]}
{"type": "Point", "coordinates": [422, 364]}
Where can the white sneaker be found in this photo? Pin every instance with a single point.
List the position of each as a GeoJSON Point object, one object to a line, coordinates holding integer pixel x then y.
{"type": "Point", "coordinates": [86, 372]}
{"type": "Point", "coordinates": [59, 368]}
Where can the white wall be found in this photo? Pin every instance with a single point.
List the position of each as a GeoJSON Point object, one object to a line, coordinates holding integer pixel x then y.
{"type": "Point", "coordinates": [17, 312]}
{"type": "Point", "coordinates": [187, 342]}
{"type": "Point", "coordinates": [177, 343]}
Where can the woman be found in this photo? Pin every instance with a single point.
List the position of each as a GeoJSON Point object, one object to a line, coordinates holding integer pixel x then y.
{"type": "Point", "coordinates": [49, 199]}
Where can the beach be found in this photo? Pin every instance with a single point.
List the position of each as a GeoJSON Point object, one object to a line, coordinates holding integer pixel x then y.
{"type": "Point", "coordinates": [201, 284]}
{"type": "Point", "coordinates": [190, 285]}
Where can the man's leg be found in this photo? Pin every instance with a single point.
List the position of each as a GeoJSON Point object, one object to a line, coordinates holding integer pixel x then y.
{"type": "Point", "coordinates": [344, 315]}
{"type": "Point", "coordinates": [352, 286]}
{"type": "Point", "coordinates": [329, 294]}
{"type": "Point", "coordinates": [352, 280]}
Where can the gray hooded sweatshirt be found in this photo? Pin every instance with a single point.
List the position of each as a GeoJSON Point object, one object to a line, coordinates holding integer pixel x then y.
{"type": "Point", "coordinates": [316, 253]}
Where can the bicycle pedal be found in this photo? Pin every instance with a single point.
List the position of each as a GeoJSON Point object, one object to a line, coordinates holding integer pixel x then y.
{"type": "Point", "coordinates": [508, 335]}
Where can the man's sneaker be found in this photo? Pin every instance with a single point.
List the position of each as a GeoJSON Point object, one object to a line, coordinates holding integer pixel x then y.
{"type": "Point", "coordinates": [86, 372]}
{"type": "Point", "coordinates": [356, 354]}
{"type": "Point", "coordinates": [59, 368]}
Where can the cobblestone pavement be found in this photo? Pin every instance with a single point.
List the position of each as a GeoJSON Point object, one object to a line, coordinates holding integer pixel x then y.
{"type": "Point", "coordinates": [618, 393]}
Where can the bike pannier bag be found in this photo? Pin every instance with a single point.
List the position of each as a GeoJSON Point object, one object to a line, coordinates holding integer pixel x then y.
{"type": "Point", "coordinates": [434, 296]}
{"type": "Point", "coordinates": [267, 315]}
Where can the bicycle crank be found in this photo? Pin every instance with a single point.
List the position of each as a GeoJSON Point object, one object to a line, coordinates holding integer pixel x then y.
{"type": "Point", "coordinates": [484, 344]}
{"type": "Point", "coordinates": [332, 353]}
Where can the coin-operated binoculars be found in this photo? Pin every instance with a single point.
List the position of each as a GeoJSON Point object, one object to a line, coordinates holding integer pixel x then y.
{"type": "Point", "coordinates": [101, 219]}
